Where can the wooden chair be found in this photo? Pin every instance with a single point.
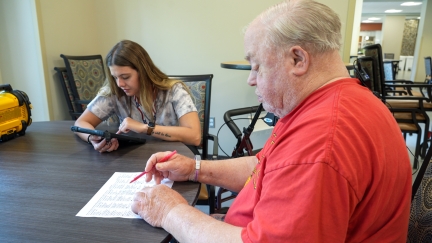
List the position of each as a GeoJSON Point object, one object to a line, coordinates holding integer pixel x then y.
{"type": "Point", "coordinates": [200, 88]}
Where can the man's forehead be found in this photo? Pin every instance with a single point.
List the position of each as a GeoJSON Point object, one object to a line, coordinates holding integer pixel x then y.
{"type": "Point", "coordinates": [253, 40]}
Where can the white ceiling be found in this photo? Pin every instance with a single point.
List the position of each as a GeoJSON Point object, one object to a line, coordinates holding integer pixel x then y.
{"type": "Point", "coordinates": [376, 8]}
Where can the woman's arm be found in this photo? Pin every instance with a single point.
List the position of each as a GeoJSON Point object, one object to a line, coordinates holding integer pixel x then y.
{"type": "Point", "coordinates": [188, 131]}
{"type": "Point", "coordinates": [87, 120]}
{"type": "Point", "coordinates": [91, 121]}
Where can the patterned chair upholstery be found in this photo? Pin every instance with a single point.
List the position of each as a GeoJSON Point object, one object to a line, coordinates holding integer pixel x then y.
{"type": "Point", "coordinates": [81, 80]}
{"type": "Point", "coordinates": [200, 88]}
{"type": "Point", "coordinates": [420, 221]}
{"type": "Point", "coordinates": [198, 91]}
{"type": "Point", "coordinates": [86, 75]}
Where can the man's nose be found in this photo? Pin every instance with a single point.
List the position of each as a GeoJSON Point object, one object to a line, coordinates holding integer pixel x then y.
{"type": "Point", "coordinates": [251, 80]}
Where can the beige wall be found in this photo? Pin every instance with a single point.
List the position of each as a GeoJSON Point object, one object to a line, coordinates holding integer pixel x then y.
{"type": "Point", "coordinates": [182, 37]}
{"type": "Point", "coordinates": [20, 53]}
{"type": "Point", "coordinates": [348, 29]}
{"type": "Point", "coordinates": [356, 27]}
{"type": "Point", "coordinates": [424, 42]}
{"type": "Point", "coordinates": [392, 34]}
{"type": "Point", "coordinates": [71, 28]}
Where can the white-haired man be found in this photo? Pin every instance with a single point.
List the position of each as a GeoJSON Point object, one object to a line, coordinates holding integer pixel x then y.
{"type": "Point", "coordinates": [335, 168]}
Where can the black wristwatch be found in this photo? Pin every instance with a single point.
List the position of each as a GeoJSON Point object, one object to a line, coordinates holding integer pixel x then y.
{"type": "Point", "coordinates": [150, 128]}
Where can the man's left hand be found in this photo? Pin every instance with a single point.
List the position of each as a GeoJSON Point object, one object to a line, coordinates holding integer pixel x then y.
{"type": "Point", "coordinates": [154, 203]}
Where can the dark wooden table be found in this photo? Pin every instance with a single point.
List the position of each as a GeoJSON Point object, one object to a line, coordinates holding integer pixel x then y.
{"type": "Point", "coordinates": [49, 174]}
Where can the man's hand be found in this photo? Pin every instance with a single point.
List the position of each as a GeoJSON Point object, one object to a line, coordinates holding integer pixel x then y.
{"type": "Point", "coordinates": [177, 168]}
{"type": "Point", "coordinates": [154, 203]}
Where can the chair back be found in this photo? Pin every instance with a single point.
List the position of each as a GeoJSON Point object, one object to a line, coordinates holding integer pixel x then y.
{"type": "Point", "coordinates": [375, 51]}
{"type": "Point", "coordinates": [200, 88]}
{"type": "Point", "coordinates": [388, 71]}
{"type": "Point", "coordinates": [86, 75]}
{"type": "Point", "coordinates": [74, 109]}
{"type": "Point", "coordinates": [406, 113]}
{"type": "Point", "coordinates": [367, 65]}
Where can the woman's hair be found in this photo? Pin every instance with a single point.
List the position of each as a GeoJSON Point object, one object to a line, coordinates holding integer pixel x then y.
{"type": "Point", "coordinates": [131, 54]}
{"type": "Point", "coordinates": [302, 22]}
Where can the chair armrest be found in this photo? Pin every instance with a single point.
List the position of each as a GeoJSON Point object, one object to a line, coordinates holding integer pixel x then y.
{"type": "Point", "coordinates": [405, 103]}
{"type": "Point", "coordinates": [399, 81]}
{"type": "Point", "coordinates": [427, 87]}
{"type": "Point", "coordinates": [419, 98]}
{"type": "Point", "coordinates": [215, 152]}
{"type": "Point", "coordinates": [194, 149]}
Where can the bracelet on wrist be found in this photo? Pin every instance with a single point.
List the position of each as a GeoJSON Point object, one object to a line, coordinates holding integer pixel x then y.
{"type": "Point", "coordinates": [197, 167]}
{"type": "Point", "coordinates": [88, 139]}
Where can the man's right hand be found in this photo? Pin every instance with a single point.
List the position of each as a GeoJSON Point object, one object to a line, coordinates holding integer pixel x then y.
{"type": "Point", "coordinates": [177, 168]}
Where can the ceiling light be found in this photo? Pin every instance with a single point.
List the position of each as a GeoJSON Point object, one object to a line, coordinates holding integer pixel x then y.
{"type": "Point", "coordinates": [418, 17]}
{"type": "Point", "coordinates": [411, 3]}
{"type": "Point", "coordinates": [367, 21]}
{"type": "Point", "coordinates": [374, 18]}
{"type": "Point", "coordinates": [393, 11]}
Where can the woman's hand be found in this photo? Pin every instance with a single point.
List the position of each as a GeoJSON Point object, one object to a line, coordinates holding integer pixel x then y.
{"type": "Point", "coordinates": [102, 145]}
{"type": "Point", "coordinates": [130, 124]}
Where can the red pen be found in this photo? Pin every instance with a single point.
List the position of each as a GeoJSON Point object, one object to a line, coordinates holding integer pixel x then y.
{"type": "Point", "coordinates": [162, 160]}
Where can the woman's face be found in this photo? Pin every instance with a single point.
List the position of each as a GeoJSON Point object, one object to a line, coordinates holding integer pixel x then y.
{"type": "Point", "coordinates": [126, 78]}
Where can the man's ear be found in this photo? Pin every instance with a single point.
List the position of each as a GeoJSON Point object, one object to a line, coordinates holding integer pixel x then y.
{"type": "Point", "coordinates": [301, 60]}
